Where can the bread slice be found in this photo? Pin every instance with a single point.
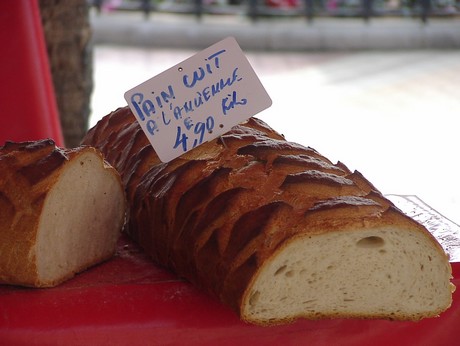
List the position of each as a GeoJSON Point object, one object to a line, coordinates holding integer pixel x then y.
{"type": "Point", "coordinates": [274, 229]}
{"type": "Point", "coordinates": [61, 211]}
{"type": "Point", "coordinates": [380, 270]}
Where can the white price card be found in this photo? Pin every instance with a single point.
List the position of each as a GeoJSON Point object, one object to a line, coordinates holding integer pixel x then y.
{"type": "Point", "coordinates": [198, 100]}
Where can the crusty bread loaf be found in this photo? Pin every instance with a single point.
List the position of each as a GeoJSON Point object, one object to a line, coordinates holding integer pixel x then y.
{"type": "Point", "coordinates": [61, 211]}
{"type": "Point", "coordinates": [274, 229]}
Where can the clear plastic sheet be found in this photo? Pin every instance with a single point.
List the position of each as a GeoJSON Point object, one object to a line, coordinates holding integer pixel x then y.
{"type": "Point", "coordinates": [443, 229]}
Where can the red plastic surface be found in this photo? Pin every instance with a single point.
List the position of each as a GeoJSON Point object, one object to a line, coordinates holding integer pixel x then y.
{"type": "Point", "coordinates": [28, 109]}
{"type": "Point", "coordinates": [130, 301]}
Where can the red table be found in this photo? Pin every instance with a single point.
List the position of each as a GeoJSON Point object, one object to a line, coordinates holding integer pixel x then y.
{"type": "Point", "coordinates": [130, 301]}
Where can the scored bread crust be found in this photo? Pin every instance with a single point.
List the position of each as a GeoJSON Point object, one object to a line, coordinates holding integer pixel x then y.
{"type": "Point", "coordinates": [61, 211]}
{"type": "Point", "coordinates": [223, 213]}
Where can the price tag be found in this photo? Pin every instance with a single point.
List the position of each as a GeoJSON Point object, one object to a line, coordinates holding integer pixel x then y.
{"type": "Point", "coordinates": [198, 100]}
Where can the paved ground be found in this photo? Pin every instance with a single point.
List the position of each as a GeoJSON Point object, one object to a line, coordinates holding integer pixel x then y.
{"type": "Point", "coordinates": [392, 115]}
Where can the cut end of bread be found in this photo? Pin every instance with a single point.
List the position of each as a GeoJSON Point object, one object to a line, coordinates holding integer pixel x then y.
{"type": "Point", "coordinates": [386, 273]}
{"type": "Point", "coordinates": [81, 219]}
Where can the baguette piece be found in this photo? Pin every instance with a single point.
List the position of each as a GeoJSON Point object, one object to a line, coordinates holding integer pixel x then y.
{"type": "Point", "coordinates": [61, 211]}
{"type": "Point", "coordinates": [274, 229]}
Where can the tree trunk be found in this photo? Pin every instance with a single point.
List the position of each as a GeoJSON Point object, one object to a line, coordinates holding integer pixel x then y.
{"type": "Point", "coordinates": [68, 38]}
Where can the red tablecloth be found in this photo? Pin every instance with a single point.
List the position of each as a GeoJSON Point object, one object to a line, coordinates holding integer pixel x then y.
{"type": "Point", "coordinates": [130, 301]}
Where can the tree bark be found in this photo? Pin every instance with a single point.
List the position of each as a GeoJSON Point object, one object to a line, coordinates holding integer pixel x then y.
{"type": "Point", "coordinates": [68, 37]}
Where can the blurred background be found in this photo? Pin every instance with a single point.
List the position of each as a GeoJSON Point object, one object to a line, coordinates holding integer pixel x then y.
{"type": "Point", "coordinates": [372, 83]}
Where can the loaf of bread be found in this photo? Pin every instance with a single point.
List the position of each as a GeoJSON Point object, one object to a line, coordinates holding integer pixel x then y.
{"type": "Point", "coordinates": [61, 211]}
{"type": "Point", "coordinates": [274, 229]}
